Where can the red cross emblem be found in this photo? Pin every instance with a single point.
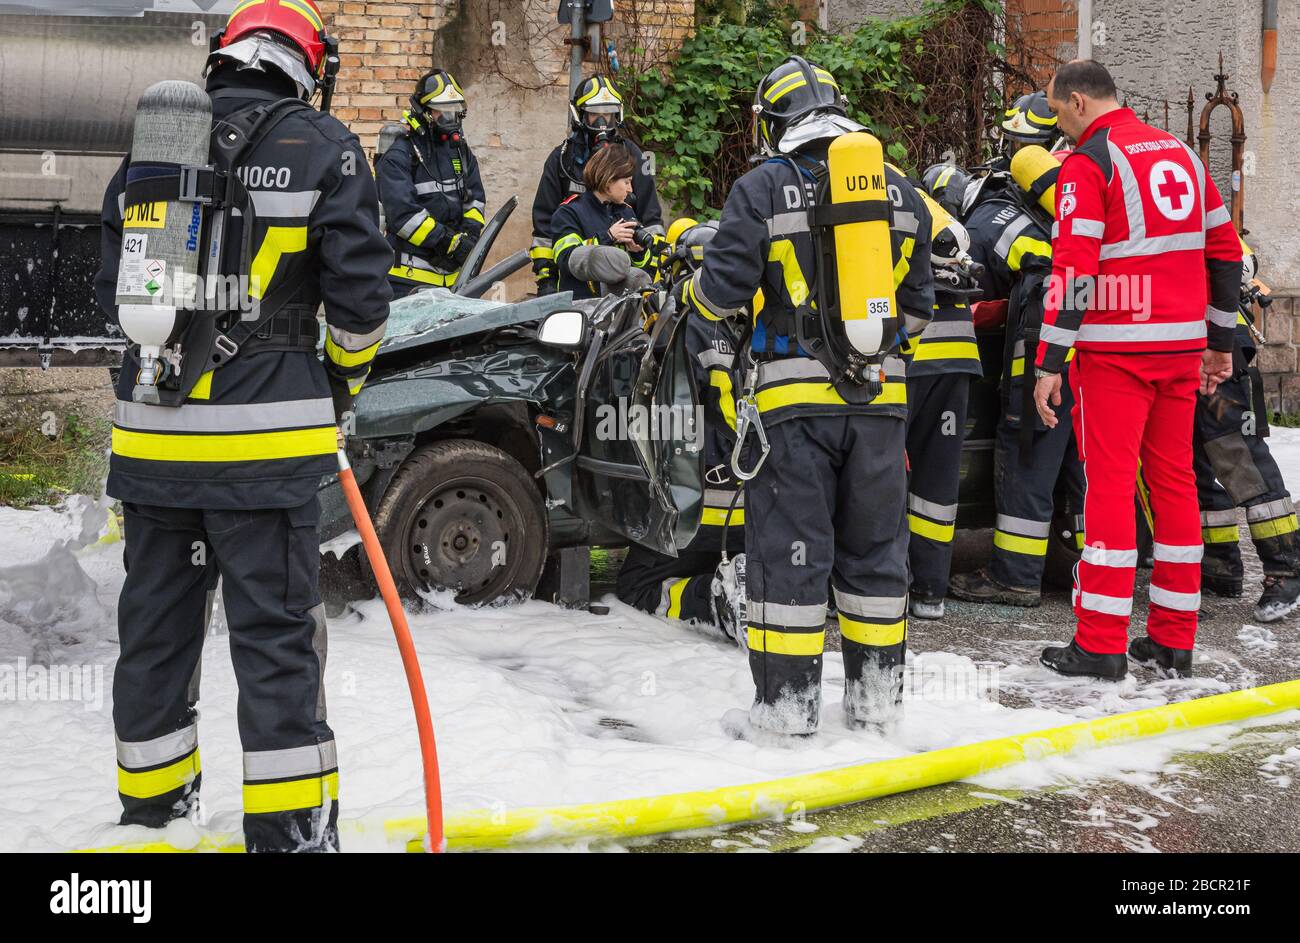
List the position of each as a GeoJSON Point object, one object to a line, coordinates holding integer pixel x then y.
{"type": "Point", "coordinates": [1172, 189]}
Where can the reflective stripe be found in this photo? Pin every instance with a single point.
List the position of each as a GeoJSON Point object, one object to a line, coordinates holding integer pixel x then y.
{"type": "Point", "coordinates": [1220, 318]}
{"type": "Point", "coordinates": [721, 380]}
{"type": "Point", "coordinates": [541, 243]}
{"type": "Point", "coordinates": [914, 324]}
{"type": "Point", "coordinates": [788, 615]}
{"type": "Point", "coordinates": [350, 341]}
{"type": "Point", "coordinates": [1055, 335]}
{"type": "Point", "coordinates": [1137, 221]}
{"type": "Point", "coordinates": [806, 644]}
{"type": "Point", "coordinates": [310, 760]}
{"type": "Point", "coordinates": [1268, 509]}
{"type": "Point", "coordinates": [355, 383]}
{"type": "Point", "coordinates": [940, 512]}
{"type": "Point", "coordinates": [1023, 526]}
{"type": "Point", "coordinates": [263, 798]}
{"type": "Point", "coordinates": [1027, 244]}
{"type": "Point", "coordinates": [279, 241]}
{"type": "Point", "coordinates": [719, 517]}
{"type": "Point", "coordinates": [203, 388]}
{"type": "Point", "coordinates": [823, 394]}
{"type": "Point", "coordinates": [1219, 518]}
{"type": "Point", "coordinates": [784, 224]}
{"type": "Point", "coordinates": [870, 607]}
{"type": "Point", "coordinates": [1179, 242]}
{"type": "Point", "coordinates": [283, 204]}
{"type": "Point", "coordinates": [947, 329]}
{"type": "Point", "coordinates": [437, 186]}
{"type": "Point", "coordinates": [1148, 331]}
{"type": "Point", "coordinates": [1170, 553]}
{"type": "Point", "coordinates": [943, 533]}
{"type": "Point", "coordinates": [257, 446]}
{"type": "Point", "coordinates": [1183, 602]}
{"type": "Point", "coordinates": [1263, 530]}
{"type": "Point", "coordinates": [349, 358]}
{"type": "Point", "coordinates": [250, 417]}
{"type": "Point", "coordinates": [170, 746]}
{"type": "Point", "coordinates": [670, 599]}
{"type": "Point", "coordinates": [159, 782]}
{"type": "Point", "coordinates": [1221, 535]}
{"type": "Point", "coordinates": [873, 634]}
{"type": "Point", "coordinates": [718, 498]}
{"type": "Point", "coordinates": [422, 233]}
{"type": "Point", "coordinates": [1088, 228]}
{"type": "Point", "coordinates": [414, 274]}
{"type": "Point", "coordinates": [474, 214]}
{"type": "Point", "coordinates": [1030, 546]}
{"type": "Point", "coordinates": [947, 350]}
{"type": "Point", "coordinates": [702, 300]}
{"type": "Point", "coordinates": [1018, 225]}
{"type": "Point", "coordinates": [712, 357]}
{"type": "Point", "coordinates": [1110, 605]}
{"type": "Point", "coordinates": [1100, 556]}
{"type": "Point", "coordinates": [1217, 217]}
{"type": "Point", "coordinates": [412, 224]}
{"type": "Point", "coordinates": [905, 222]}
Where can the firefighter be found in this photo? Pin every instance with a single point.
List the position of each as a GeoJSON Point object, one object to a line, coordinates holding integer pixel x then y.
{"type": "Point", "coordinates": [595, 122]}
{"type": "Point", "coordinates": [1029, 120]}
{"type": "Point", "coordinates": [698, 585]}
{"type": "Point", "coordinates": [1147, 270]}
{"type": "Point", "coordinates": [1234, 468]}
{"type": "Point", "coordinates": [1015, 251]}
{"type": "Point", "coordinates": [827, 503]}
{"type": "Point", "coordinates": [226, 483]}
{"type": "Point", "coordinates": [430, 188]}
{"type": "Point", "coordinates": [941, 362]}
{"type": "Point", "coordinates": [599, 243]}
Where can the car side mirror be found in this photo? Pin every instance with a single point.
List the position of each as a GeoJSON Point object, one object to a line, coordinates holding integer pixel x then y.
{"type": "Point", "coordinates": [564, 329]}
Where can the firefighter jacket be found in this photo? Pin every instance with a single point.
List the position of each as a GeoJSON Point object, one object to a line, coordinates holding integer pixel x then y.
{"type": "Point", "coordinates": [431, 192]}
{"type": "Point", "coordinates": [260, 431]}
{"type": "Point", "coordinates": [764, 241]}
{"type": "Point", "coordinates": [1147, 260]}
{"type": "Point", "coordinates": [584, 221]}
{"type": "Point", "coordinates": [561, 179]}
{"type": "Point", "coordinates": [1016, 254]}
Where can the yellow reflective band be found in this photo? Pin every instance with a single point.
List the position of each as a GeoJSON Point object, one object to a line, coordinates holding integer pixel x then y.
{"type": "Point", "coordinates": [721, 380]}
{"type": "Point", "coordinates": [421, 275]}
{"type": "Point", "coordinates": [475, 215]}
{"type": "Point", "coordinates": [354, 386]}
{"type": "Point", "coordinates": [1262, 530]}
{"type": "Point", "coordinates": [306, 12]}
{"type": "Point", "coordinates": [807, 644]}
{"type": "Point", "coordinates": [567, 241]}
{"type": "Point", "coordinates": [279, 241]}
{"type": "Point", "coordinates": [541, 252]}
{"type": "Point", "coordinates": [948, 350]}
{"type": "Point", "coordinates": [1018, 364]}
{"type": "Point", "coordinates": [873, 633]}
{"type": "Point", "coordinates": [1079, 540]}
{"type": "Point", "coordinates": [240, 447]}
{"type": "Point", "coordinates": [422, 233]}
{"type": "Point", "coordinates": [159, 782]}
{"type": "Point", "coordinates": [1014, 543]}
{"type": "Point", "coordinates": [349, 358]}
{"type": "Point", "coordinates": [892, 393]}
{"type": "Point", "coordinates": [203, 389]}
{"type": "Point", "coordinates": [717, 517]}
{"type": "Point", "coordinates": [701, 308]}
{"type": "Point", "coordinates": [782, 252]}
{"type": "Point", "coordinates": [904, 264]}
{"type": "Point", "coordinates": [675, 598]}
{"type": "Point", "coordinates": [1220, 535]}
{"type": "Point", "coordinates": [1028, 244]}
{"type": "Point", "coordinates": [1044, 122]}
{"type": "Point", "coordinates": [261, 798]}
{"type": "Point", "coordinates": [242, 7]}
{"type": "Point", "coordinates": [923, 528]}
{"type": "Point", "coordinates": [943, 177]}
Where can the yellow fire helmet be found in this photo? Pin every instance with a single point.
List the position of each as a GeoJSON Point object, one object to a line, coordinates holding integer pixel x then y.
{"type": "Point", "coordinates": [679, 226]}
{"type": "Point", "coordinates": [1034, 170]}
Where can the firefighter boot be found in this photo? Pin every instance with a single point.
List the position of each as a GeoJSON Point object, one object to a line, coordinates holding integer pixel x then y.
{"type": "Point", "coordinates": [1280, 598]}
{"type": "Point", "coordinates": [1168, 662]}
{"type": "Point", "coordinates": [1072, 660]}
{"type": "Point", "coordinates": [729, 603]}
{"type": "Point", "coordinates": [982, 587]}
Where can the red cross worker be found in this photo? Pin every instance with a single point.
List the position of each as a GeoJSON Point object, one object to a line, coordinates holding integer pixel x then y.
{"type": "Point", "coordinates": [1146, 266]}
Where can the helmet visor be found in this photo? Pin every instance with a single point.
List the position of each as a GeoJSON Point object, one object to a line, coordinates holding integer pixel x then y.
{"type": "Point", "coordinates": [260, 51]}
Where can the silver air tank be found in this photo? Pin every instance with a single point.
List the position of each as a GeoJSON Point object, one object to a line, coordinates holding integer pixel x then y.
{"type": "Point", "coordinates": [159, 270]}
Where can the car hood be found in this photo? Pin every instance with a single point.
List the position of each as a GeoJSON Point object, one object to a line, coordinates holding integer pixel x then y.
{"type": "Point", "coordinates": [435, 315]}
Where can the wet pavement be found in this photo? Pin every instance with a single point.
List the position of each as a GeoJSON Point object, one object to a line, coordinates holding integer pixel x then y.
{"type": "Point", "coordinates": [1241, 795]}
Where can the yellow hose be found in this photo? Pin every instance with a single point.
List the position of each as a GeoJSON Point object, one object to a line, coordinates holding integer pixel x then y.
{"type": "Point", "coordinates": [657, 815]}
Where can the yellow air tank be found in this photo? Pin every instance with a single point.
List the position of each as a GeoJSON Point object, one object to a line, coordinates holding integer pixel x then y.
{"type": "Point", "coordinates": [863, 259]}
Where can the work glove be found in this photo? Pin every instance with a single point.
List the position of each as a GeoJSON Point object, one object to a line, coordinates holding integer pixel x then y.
{"type": "Point", "coordinates": [462, 244]}
{"type": "Point", "coordinates": [343, 400]}
{"type": "Point", "coordinates": [546, 286]}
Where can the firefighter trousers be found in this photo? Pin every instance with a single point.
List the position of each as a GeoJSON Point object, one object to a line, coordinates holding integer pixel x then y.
{"type": "Point", "coordinates": [936, 428]}
{"type": "Point", "coordinates": [679, 587]}
{"type": "Point", "coordinates": [1024, 494]}
{"type": "Point", "coordinates": [828, 506]}
{"type": "Point", "coordinates": [1234, 468]}
{"type": "Point", "coordinates": [268, 561]}
{"type": "Point", "coordinates": [1130, 408]}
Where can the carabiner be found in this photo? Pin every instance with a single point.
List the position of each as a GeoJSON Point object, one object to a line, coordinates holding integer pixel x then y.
{"type": "Point", "coordinates": [747, 415]}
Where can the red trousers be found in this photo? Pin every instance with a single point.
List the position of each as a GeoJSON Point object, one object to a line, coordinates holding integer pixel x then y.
{"type": "Point", "coordinates": [1131, 407]}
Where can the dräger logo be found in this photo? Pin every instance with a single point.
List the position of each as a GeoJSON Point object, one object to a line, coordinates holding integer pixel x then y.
{"type": "Point", "coordinates": [76, 896]}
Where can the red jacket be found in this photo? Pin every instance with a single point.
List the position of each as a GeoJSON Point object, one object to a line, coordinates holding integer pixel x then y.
{"type": "Point", "coordinates": [1145, 259]}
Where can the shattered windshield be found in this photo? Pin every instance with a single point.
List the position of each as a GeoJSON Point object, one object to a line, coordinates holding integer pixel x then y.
{"type": "Point", "coordinates": [424, 310]}
{"type": "Point", "coordinates": [435, 314]}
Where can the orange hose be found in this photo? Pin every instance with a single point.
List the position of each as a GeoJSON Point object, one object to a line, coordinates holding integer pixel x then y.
{"type": "Point", "coordinates": [414, 679]}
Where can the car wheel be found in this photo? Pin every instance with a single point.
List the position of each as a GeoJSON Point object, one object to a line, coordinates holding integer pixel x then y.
{"type": "Point", "coordinates": [463, 516]}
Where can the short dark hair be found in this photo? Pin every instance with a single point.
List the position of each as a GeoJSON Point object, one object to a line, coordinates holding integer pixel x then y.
{"type": "Point", "coordinates": [1085, 76]}
{"type": "Point", "coordinates": [607, 165]}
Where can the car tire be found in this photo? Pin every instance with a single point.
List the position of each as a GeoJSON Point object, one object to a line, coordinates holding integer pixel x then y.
{"type": "Point", "coordinates": [464, 516]}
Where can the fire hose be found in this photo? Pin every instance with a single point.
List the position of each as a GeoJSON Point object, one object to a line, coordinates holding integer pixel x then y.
{"type": "Point", "coordinates": [434, 839]}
